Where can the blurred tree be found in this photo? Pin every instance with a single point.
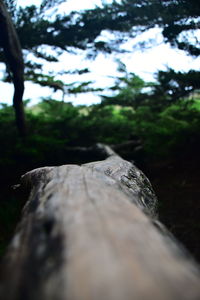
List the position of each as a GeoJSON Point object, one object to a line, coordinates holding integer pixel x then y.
{"type": "Point", "coordinates": [12, 6]}
{"type": "Point", "coordinates": [10, 44]}
{"type": "Point", "coordinates": [178, 19]}
{"type": "Point", "coordinates": [130, 89]}
{"type": "Point", "coordinates": [37, 27]}
{"type": "Point", "coordinates": [170, 87]}
{"type": "Point", "coordinates": [177, 85]}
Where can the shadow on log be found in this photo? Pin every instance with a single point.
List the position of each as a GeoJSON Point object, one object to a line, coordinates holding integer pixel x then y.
{"type": "Point", "coordinates": [90, 232]}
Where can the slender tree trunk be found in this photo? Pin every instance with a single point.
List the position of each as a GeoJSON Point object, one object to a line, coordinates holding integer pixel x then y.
{"type": "Point", "coordinates": [19, 106]}
{"type": "Point", "coordinates": [9, 41]}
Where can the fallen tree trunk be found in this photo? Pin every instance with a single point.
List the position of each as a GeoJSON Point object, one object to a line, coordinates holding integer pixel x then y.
{"type": "Point", "coordinates": [90, 232]}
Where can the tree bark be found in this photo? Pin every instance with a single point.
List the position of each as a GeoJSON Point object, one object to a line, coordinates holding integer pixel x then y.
{"type": "Point", "coordinates": [90, 232]}
{"type": "Point", "coordinates": [10, 43]}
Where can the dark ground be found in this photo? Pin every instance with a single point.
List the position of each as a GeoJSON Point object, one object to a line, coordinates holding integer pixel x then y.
{"type": "Point", "coordinates": [177, 186]}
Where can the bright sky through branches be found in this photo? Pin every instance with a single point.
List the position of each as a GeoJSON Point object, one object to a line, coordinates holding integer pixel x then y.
{"type": "Point", "coordinates": [70, 5]}
{"type": "Point", "coordinates": [143, 63]}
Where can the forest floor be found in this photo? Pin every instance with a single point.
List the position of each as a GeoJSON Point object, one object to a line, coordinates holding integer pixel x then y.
{"type": "Point", "coordinates": [177, 186]}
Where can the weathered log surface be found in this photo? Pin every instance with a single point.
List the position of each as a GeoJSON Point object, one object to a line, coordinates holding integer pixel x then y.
{"type": "Point", "coordinates": [87, 232]}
